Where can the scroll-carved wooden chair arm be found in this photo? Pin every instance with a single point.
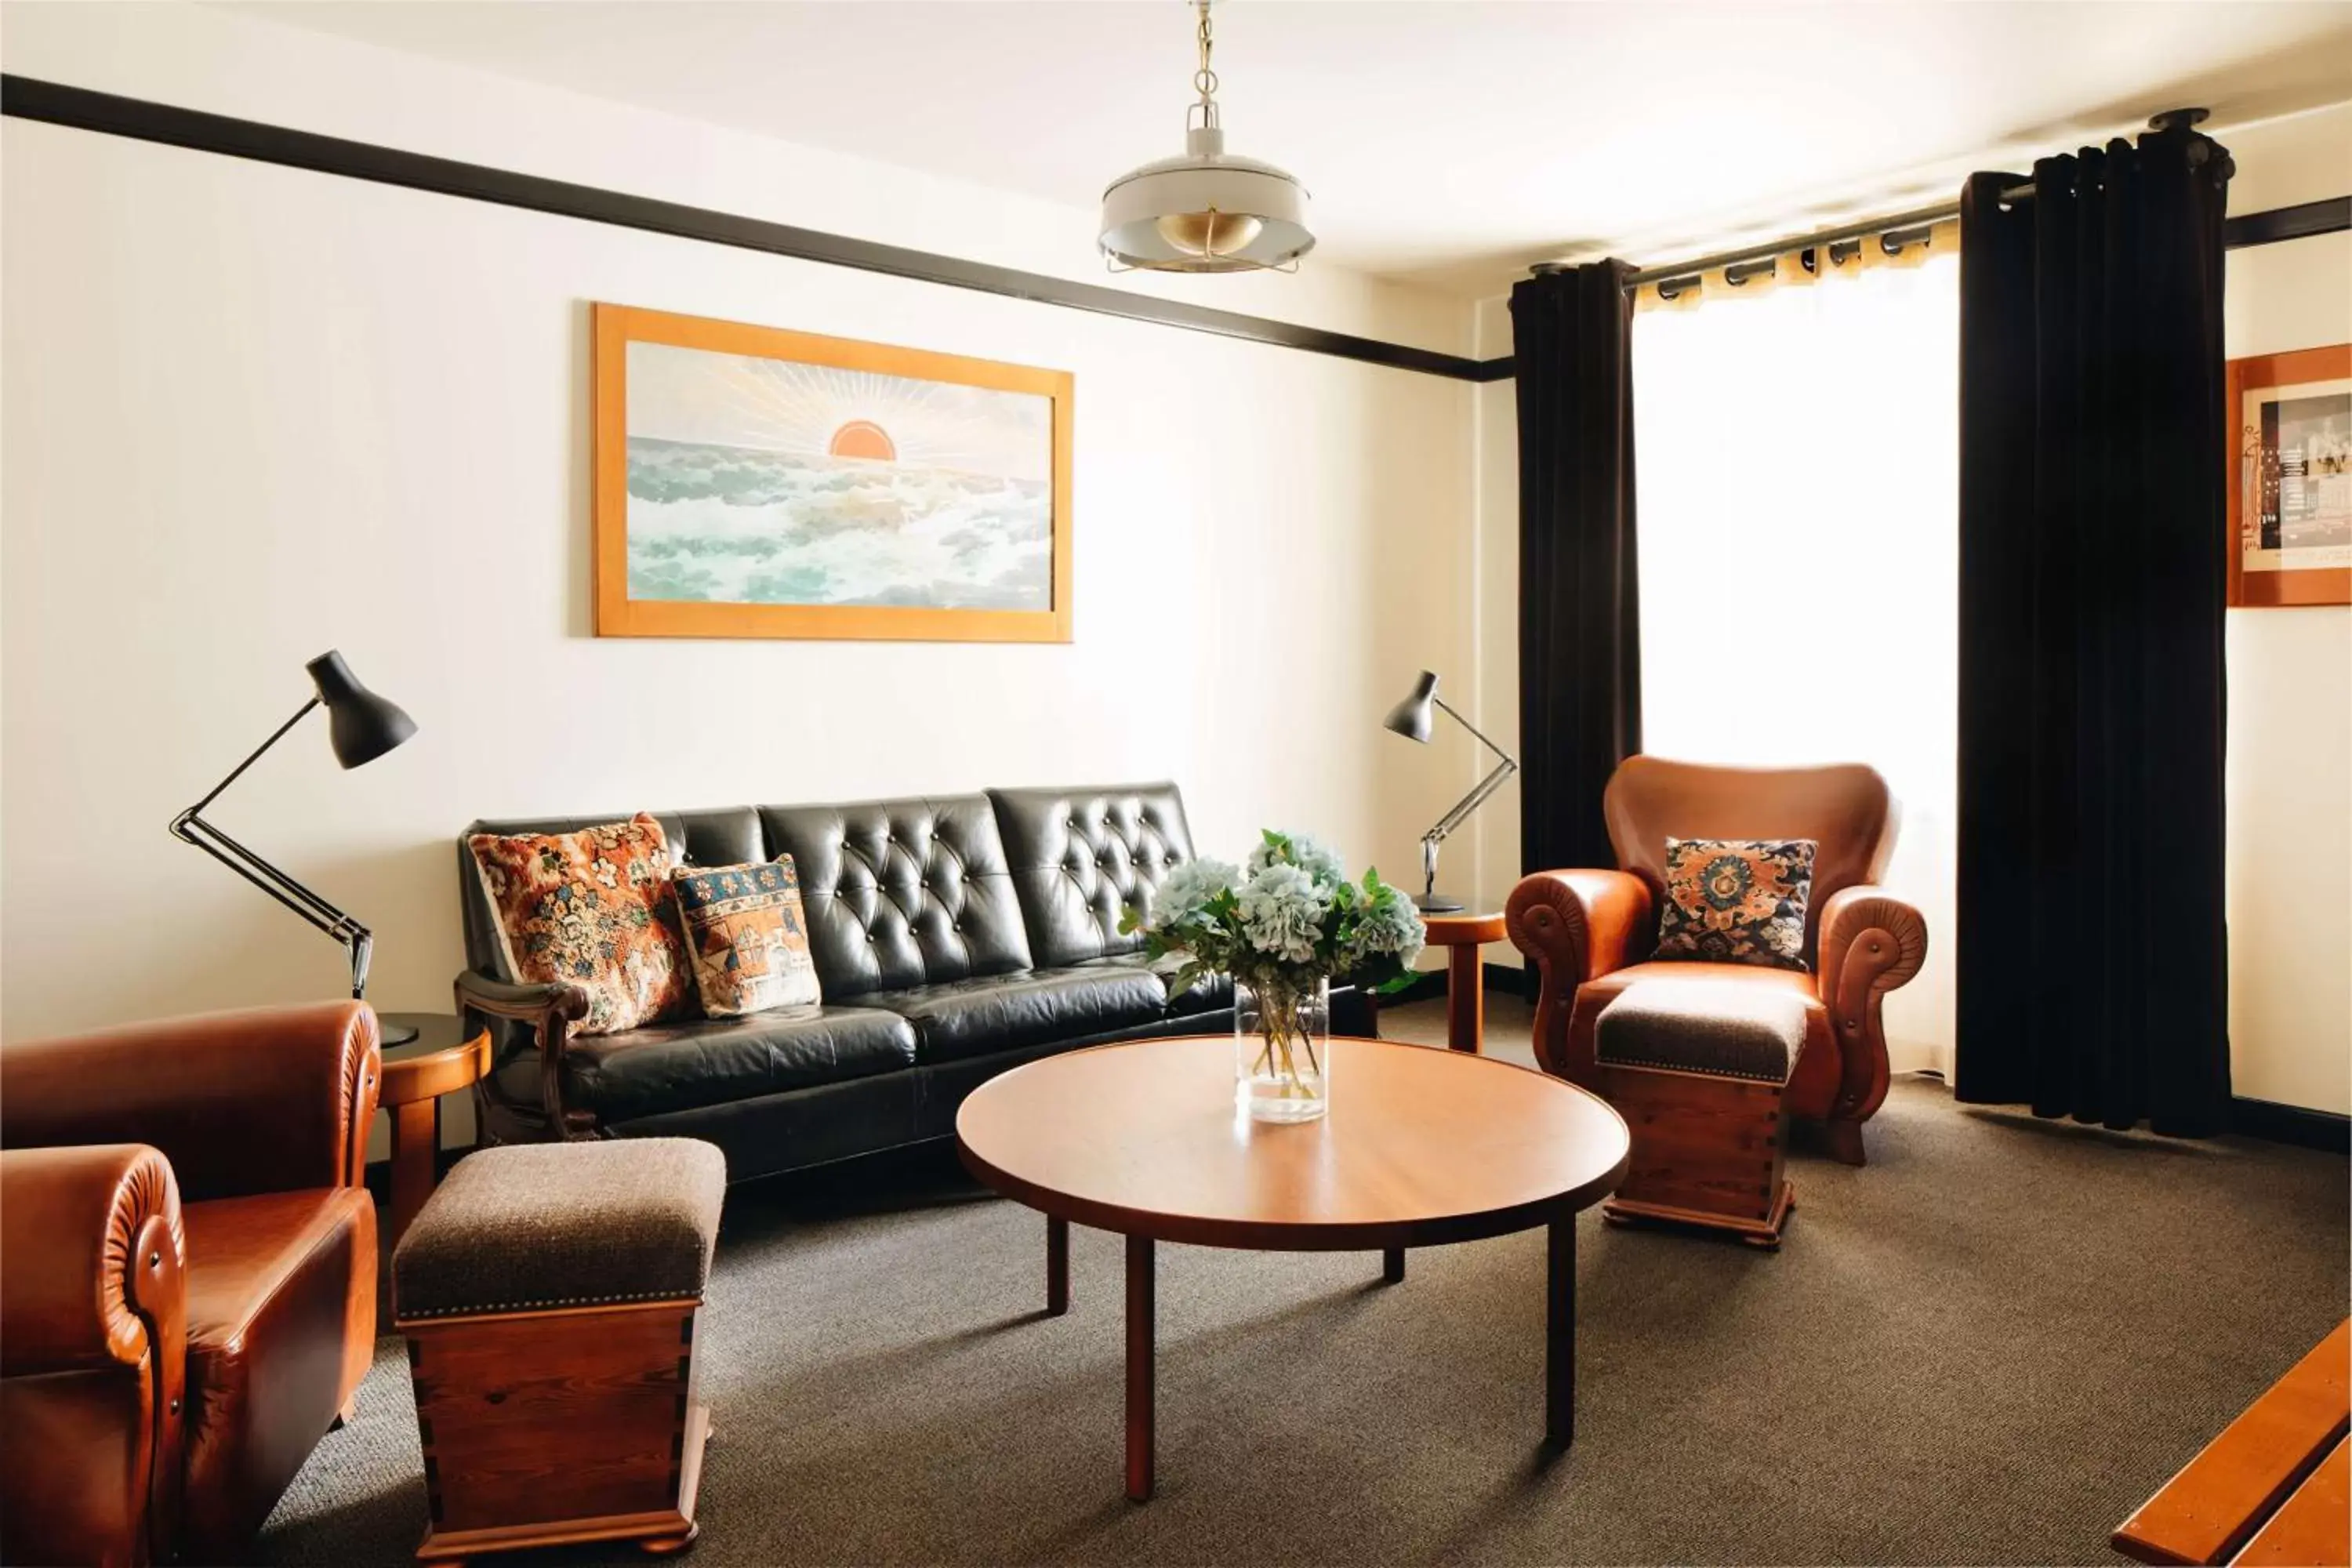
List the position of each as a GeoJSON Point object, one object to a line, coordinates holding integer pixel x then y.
{"type": "Point", "coordinates": [550, 1010]}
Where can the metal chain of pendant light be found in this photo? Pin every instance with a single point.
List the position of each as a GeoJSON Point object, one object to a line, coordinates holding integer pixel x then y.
{"type": "Point", "coordinates": [1208, 211]}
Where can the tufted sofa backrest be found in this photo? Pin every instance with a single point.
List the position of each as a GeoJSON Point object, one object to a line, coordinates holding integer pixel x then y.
{"type": "Point", "coordinates": [902, 893]}
{"type": "Point", "coordinates": [1079, 856]}
{"type": "Point", "coordinates": [898, 893]}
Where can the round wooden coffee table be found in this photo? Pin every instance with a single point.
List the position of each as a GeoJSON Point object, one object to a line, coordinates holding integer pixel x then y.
{"type": "Point", "coordinates": [1422, 1146]}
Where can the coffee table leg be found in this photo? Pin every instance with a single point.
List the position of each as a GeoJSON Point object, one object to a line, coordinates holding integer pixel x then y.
{"type": "Point", "coordinates": [1057, 1267]}
{"type": "Point", "coordinates": [1392, 1266]}
{"type": "Point", "coordinates": [1139, 1367]}
{"type": "Point", "coordinates": [1560, 1334]}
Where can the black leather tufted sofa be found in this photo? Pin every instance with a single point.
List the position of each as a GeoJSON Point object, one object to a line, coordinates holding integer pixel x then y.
{"type": "Point", "coordinates": [954, 937]}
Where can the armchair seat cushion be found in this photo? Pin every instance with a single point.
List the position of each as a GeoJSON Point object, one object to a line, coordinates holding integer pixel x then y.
{"type": "Point", "coordinates": [681, 1066]}
{"type": "Point", "coordinates": [962, 1018]}
{"type": "Point", "coordinates": [281, 1321]}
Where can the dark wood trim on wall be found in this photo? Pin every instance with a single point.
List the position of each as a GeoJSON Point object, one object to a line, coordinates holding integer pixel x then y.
{"type": "Point", "coordinates": [26, 97]}
{"type": "Point", "coordinates": [141, 119]}
{"type": "Point", "coordinates": [2297, 1124]}
{"type": "Point", "coordinates": [2330, 216]}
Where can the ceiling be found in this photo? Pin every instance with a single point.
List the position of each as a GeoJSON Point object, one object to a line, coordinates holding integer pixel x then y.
{"type": "Point", "coordinates": [1447, 143]}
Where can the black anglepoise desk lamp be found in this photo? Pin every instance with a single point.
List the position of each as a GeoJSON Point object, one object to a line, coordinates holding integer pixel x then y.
{"type": "Point", "coordinates": [1413, 720]}
{"type": "Point", "coordinates": [361, 727]}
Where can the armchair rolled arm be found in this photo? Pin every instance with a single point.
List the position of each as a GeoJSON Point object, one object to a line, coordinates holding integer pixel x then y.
{"type": "Point", "coordinates": [551, 1010]}
{"type": "Point", "coordinates": [261, 1100]}
{"type": "Point", "coordinates": [1575, 926]}
{"type": "Point", "coordinates": [1871, 943]}
{"type": "Point", "coordinates": [93, 1353]}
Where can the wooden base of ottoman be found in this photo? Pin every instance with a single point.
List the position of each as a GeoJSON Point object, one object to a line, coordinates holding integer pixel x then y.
{"type": "Point", "coordinates": [1764, 1233]}
{"type": "Point", "coordinates": [556, 1427]}
{"type": "Point", "coordinates": [1706, 1151]}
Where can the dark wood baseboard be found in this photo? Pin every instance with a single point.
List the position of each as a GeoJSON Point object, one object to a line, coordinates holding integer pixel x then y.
{"type": "Point", "coordinates": [2299, 1125]}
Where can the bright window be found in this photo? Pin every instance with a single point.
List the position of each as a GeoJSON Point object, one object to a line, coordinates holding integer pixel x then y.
{"type": "Point", "coordinates": [1798, 462]}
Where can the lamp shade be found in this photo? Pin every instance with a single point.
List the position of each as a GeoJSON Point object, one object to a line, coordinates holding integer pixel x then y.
{"type": "Point", "coordinates": [1411, 718]}
{"type": "Point", "coordinates": [361, 725]}
{"type": "Point", "coordinates": [1208, 211]}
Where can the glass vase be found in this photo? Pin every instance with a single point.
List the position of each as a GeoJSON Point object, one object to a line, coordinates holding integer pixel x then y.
{"type": "Point", "coordinates": [1281, 1060]}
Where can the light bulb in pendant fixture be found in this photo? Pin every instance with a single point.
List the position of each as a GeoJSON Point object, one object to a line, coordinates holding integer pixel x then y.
{"type": "Point", "coordinates": [1210, 233]}
{"type": "Point", "coordinates": [1208, 211]}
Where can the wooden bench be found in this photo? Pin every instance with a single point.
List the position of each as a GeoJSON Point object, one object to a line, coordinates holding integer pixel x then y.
{"type": "Point", "coordinates": [2275, 1487]}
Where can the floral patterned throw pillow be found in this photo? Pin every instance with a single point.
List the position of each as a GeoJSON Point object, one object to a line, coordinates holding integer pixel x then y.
{"type": "Point", "coordinates": [593, 908]}
{"type": "Point", "coordinates": [750, 943]}
{"type": "Point", "coordinates": [1737, 901]}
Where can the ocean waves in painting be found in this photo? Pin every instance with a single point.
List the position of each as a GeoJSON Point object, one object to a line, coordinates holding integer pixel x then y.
{"type": "Point", "coordinates": [739, 525]}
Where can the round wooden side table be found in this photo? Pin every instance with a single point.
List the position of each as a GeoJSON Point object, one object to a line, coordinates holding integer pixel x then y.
{"type": "Point", "coordinates": [440, 1060]}
{"type": "Point", "coordinates": [1463, 932]}
{"type": "Point", "coordinates": [1422, 1147]}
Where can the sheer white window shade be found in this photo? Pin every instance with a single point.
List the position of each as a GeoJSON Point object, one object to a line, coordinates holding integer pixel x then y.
{"type": "Point", "coordinates": [1797, 454]}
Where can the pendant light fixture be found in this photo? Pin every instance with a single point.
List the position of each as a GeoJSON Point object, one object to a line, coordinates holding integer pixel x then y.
{"type": "Point", "coordinates": [1208, 211]}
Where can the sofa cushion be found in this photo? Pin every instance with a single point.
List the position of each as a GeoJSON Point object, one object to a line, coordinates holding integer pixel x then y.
{"type": "Point", "coordinates": [747, 936]}
{"type": "Point", "coordinates": [975, 1018]}
{"type": "Point", "coordinates": [1080, 856]}
{"type": "Point", "coordinates": [901, 893]}
{"type": "Point", "coordinates": [281, 1321]}
{"type": "Point", "coordinates": [593, 908]}
{"type": "Point", "coordinates": [720, 838]}
{"type": "Point", "coordinates": [710, 1061]}
{"type": "Point", "coordinates": [1205, 995]}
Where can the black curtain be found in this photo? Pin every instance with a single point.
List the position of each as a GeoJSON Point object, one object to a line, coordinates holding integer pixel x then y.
{"type": "Point", "coordinates": [1580, 617]}
{"type": "Point", "coordinates": [2093, 978]}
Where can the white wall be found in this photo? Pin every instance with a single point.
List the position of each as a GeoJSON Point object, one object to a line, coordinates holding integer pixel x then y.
{"type": "Point", "coordinates": [252, 413]}
{"type": "Point", "coordinates": [2290, 765]}
{"type": "Point", "coordinates": [2290, 780]}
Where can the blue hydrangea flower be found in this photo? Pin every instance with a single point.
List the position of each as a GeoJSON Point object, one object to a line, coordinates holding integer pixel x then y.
{"type": "Point", "coordinates": [1388, 925]}
{"type": "Point", "coordinates": [1308, 853]}
{"type": "Point", "coordinates": [1282, 908]}
{"type": "Point", "coordinates": [1188, 885]}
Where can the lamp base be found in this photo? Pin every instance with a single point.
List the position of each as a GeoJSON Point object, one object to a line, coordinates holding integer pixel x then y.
{"type": "Point", "coordinates": [1436, 904]}
{"type": "Point", "coordinates": [398, 1035]}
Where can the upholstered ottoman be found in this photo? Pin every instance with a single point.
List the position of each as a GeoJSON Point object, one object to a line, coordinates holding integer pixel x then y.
{"type": "Point", "coordinates": [548, 1293]}
{"type": "Point", "coordinates": [1697, 1068]}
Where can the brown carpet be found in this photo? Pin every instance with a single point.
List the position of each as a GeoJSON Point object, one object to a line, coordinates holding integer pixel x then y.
{"type": "Point", "coordinates": [1989, 1345]}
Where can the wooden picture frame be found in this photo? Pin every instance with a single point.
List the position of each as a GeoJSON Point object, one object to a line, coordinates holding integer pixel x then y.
{"type": "Point", "coordinates": [811, 524]}
{"type": "Point", "coordinates": [2254, 471]}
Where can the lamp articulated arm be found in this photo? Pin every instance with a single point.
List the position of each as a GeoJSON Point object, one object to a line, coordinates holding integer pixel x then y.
{"type": "Point", "coordinates": [190, 827]}
{"type": "Point", "coordinates": [1444, 826]}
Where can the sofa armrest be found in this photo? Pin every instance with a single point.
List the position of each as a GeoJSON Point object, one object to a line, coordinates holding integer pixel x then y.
{"type": "Point", "coordinates": [93, 1353]}
{"type": "Point", "coordinates": [1575, 926]}
{"type": "Point", "coordinates": [258, 1100]}
{"type": "Point", "coordinates": [550, 1010]}
{"type": "Point", "coordinates": [1871, 943]}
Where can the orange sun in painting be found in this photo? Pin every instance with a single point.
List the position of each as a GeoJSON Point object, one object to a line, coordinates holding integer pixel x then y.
{"type": "Point", "coordinates": [862, 439]}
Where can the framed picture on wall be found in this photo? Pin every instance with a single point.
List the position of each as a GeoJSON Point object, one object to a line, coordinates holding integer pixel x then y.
{"type": "Point", "coordinates": [2291, 477]}
{"type": "Point", "coordinates": [752, 482]}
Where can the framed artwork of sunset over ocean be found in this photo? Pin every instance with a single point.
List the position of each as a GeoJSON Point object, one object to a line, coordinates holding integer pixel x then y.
{"type": "Point", "coordinates": [754, 482]}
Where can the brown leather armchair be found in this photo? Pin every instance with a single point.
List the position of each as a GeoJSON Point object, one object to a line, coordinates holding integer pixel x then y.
{"type": "Point", "coordinates": [187, 1276]}
{"type": "Point", "coordinates": [1590, 933]}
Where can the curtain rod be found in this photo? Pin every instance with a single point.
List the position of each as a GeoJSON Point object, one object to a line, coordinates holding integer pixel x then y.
{"type": "Point", "coordinates": [1919, 218]}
